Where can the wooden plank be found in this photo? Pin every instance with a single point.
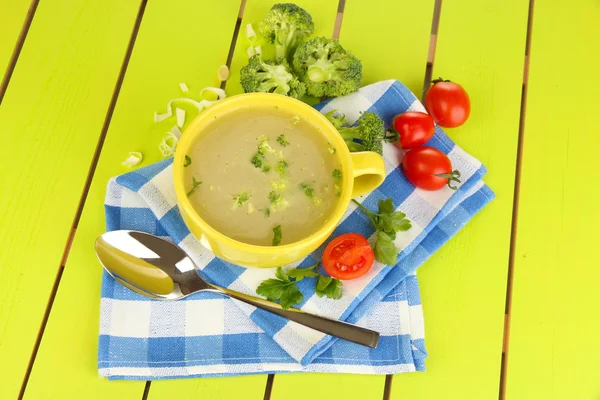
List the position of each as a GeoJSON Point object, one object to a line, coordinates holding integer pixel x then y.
{"type": "Point", "coordinates": [362, 30]}
{"type": "Point", "coordinates": [240, 387]}
{"type": "Point", "coordinates": [554, 326]}
{"type": "Point", "coordinates": [481, 46]}
{"type": "Point", "coordinates": [50, 120]}
{"type": "Point", "coordinates": [12, 17]}
{"type": "Point", "coordinates": [183, 41]}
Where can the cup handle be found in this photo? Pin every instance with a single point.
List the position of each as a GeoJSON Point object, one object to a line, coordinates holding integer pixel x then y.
{"type": "Point", "coordinates": [368, 172]}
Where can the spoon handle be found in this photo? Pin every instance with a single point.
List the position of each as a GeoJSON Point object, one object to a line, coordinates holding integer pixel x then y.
{"type": "Point", "coordinates": [333, 327]}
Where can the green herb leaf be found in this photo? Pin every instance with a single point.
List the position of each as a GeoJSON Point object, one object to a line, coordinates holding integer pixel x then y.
{"type": "Point", "coordinates": [385, 249]}
{"type": "Point", "coordinates": [280, 274]}
{"type": "Point", "coordinates": [267, 212]}
{"type": "Point", "coordinates": [387, 223]}
{"type": "Point", "coordinates": [281, 289]}
{"type": "Point", "coordinates": [301, 273]}
{"type": "Point", "coordinates": [277, 235]}
{"type": "Point", "coordinates": [195, 184]}
{"type": "Point", "coordinates": [399, 222]}
{"type": "Point", "coordinates": [290, 297]}
{"type": "Point", "coordinates": [386, 206]}
{"type": "Point", "coordinates": [328, 286]}
{"type": "Point", "coordinates": [188, 161]}
{"type": "Point", "coordinates": [282, 141]}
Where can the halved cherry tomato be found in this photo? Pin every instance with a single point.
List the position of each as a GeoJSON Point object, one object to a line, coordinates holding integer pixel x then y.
{"type": "Point", "coordinates": [414, 129]}
{"type": "Point", "coordinates": [448, 103]}
{"type": "Point", "coordinates": [428, 168]}
{"type": "Point", "coordinates": [348, 256]}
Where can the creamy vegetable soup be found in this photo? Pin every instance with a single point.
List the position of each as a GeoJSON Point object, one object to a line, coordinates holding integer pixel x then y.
{"type": "Point", "coordinates": [263, 176]}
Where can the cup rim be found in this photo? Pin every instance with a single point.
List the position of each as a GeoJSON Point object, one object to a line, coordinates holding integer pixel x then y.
{"type": "Point", "coordinates": [231, 104]}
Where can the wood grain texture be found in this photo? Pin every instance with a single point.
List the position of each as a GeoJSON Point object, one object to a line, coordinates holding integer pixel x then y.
{"type": "Point", "coordinates": [50, 121]}
{"type": "Point", "coordinates": [553, 347]}
{"type": "Point", "coordinates": [481, 46]}
{"type": "Point", "coordinates": [361, 32]}
{"type": "Point", "coordinates": [178, 41]}
{"type": "Point", "coordinates": [12, 17]}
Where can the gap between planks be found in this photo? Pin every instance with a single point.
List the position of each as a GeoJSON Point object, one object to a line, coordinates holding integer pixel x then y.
{"type": "Point", "coordinates": [86, 186]}
{"type": "Point", "coordinates": [435, 24]}
{"type": "Point", "coordinates": [10, 68]}
{"type": "Point", "coordinates": [515, 211]}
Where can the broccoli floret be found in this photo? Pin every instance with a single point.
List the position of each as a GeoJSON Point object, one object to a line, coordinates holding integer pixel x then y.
{"type": "Point", "coordinates": [326, 68]}
{"type": "Point", "coordinates": [240, 200]}
{"type": "Point", "coordinates": [270, 77]}
{"type": "Point", "coordinates": [257, 160]}
{"type": "Point", "coordinates": [307, 189]}
{"type": "Point", "coordinates": [282, 167]}
{"type": "Point", "coordinates": [264, 147]}
{"type": "Point", "coordinates": [367, 135]}
{"type": "Point", "coordinates": [282, 140]}
{"type": "Point", "coordinates": [336, 175]}
{"type": "Point", "coordinates": [286, 25]}
{"type": "Point", "coordinates": [337, 120]}
{"type": "Point", "coordinates": [277, 201]}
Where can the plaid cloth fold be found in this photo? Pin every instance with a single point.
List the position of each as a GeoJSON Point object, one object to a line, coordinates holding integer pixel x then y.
{"type": "Point", "coordinates": [210, 335]}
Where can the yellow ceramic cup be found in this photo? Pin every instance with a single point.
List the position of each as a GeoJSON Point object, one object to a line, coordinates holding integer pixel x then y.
{"type": "Point", "coordinates": [361, 173]}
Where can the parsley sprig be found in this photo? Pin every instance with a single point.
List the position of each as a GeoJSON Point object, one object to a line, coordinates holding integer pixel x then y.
{"type": "Point", "coordinates": [283, 287]}
{"type": "Point", "coordinates": [387, 223]}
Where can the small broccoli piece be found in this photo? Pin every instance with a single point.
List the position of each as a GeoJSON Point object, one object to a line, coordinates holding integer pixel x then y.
{"type": "Point", "coordinates": [367, 135]}
{"type": "Point", "coordinates": [336, 175]}
{"type": "Point", "coordinates": [264, 147]}
{"type": "Point", "coordinates": [286, 25]}
{"type": "Point", "coordinates": [240, 200]}
{"type": "Point", "coordinates": [282, 141]}
{"type": "Point", "coordinates": [308, 190]}
{"type": "Point", "coordinates": [279, 186]}
{"type": "Point", "coordinates": [282, 167]}
{"type": "Point", "coordinates": [257, 160]}
{"type": "Point", "coordinates": [270, 77]}
{"type": "Point", "coordinates": [326, 68]}
{"type": "Point", "coordinates": [332, 150]}
{"type": "Point", "coordinates": [277, 201]}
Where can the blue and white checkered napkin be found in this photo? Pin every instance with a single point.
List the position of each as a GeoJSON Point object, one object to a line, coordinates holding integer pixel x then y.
{"type": "Point", "coordinates": [207, 334]}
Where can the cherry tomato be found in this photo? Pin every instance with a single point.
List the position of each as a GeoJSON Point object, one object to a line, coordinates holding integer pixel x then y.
{"type": "Point", "coordinates": [414, 128]}
{"type": "Point", "coordinates": [348, 256]}
{"type": "Point", "coordinates": [448, 103]}
{"type": "Point", "coordinates": [428, 168]}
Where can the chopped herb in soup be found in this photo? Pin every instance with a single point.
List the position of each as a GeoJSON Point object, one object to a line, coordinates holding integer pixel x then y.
{"type": "Point", "coordinates": [267, 177]}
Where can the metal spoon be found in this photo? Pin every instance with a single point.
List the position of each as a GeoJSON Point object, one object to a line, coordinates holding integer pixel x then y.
{"type": "Point", "coordinates": [160, 270]}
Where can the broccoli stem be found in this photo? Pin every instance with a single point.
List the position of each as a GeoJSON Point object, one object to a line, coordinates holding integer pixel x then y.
{"type": "Point", "coordinates": [321, 71]}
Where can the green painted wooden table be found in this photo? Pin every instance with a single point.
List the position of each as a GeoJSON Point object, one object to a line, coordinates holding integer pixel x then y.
{"type": "Point", "coordinates": [511, 304]}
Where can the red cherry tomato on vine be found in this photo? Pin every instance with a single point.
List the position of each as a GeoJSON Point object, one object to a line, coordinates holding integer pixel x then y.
{"type": "Point", "coordinates": [448, 103]}
{"type": "Point", "coordinates": [414, 129]}
{"type": "Point", "coordinates": [348, 256]}
{"type": "Point", "coordinates": [429, 169]}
